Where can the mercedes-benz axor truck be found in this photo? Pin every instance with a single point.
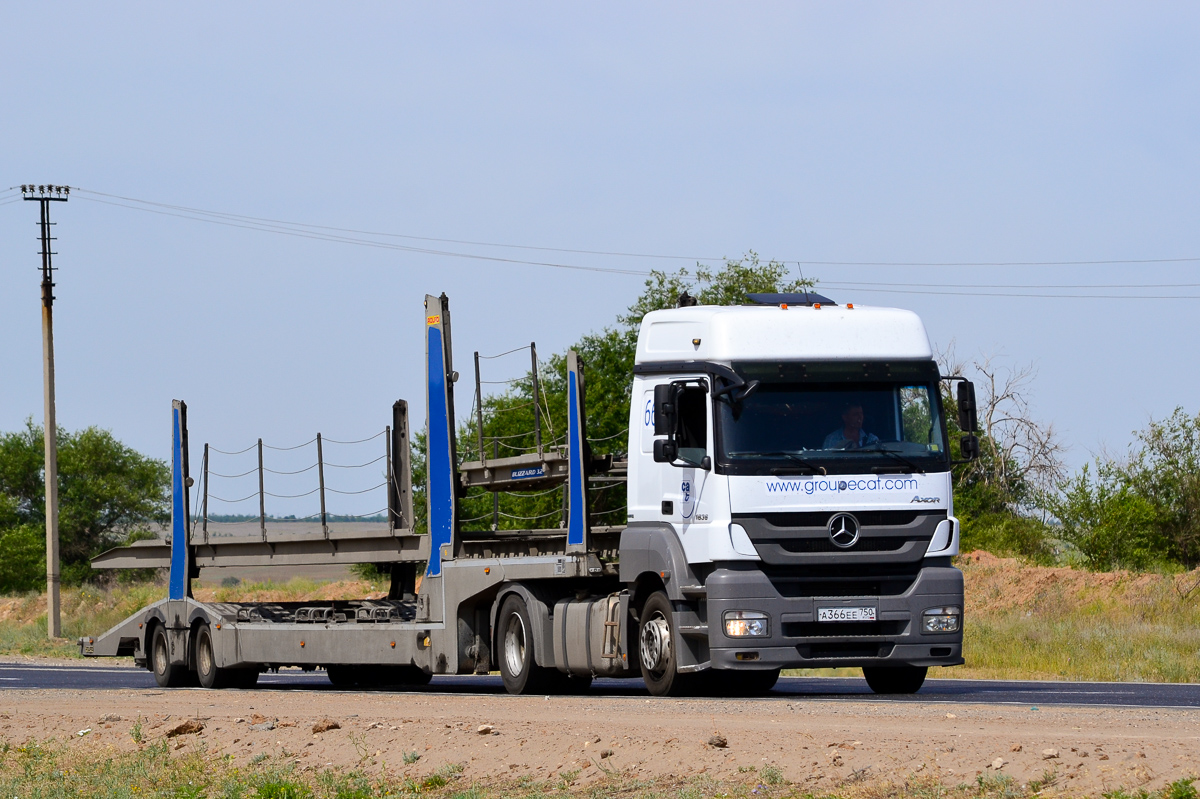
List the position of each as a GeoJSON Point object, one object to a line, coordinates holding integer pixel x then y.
{"type": "Point", "coordinates": [789, 507]}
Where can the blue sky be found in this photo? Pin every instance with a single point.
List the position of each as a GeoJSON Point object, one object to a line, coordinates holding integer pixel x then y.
{"type": "Point", "coordinates": [851, 132]}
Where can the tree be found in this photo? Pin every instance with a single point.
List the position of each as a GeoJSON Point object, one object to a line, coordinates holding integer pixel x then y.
{"type": "Point", "coordinates": [1106, 520]}
{"type": "Point", "coordinates": [107, 492]}
{"type": "Point", "coordinates": [1001, 496]}
{"type": "Point", "coordinates": [1166, 472]}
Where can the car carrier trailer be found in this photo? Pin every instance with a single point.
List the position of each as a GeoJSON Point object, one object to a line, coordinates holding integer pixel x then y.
{"type": "Point", "coordinates": [757, 536]}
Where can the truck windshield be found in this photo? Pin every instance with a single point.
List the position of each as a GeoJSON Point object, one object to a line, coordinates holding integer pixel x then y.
{"type": "Point", "coordinates": [835, 419]}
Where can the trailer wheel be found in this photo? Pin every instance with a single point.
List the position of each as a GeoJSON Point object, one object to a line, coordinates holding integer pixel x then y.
{"type": "Point", "coordinates": [166, 673]}
{"type": "Point", "coordinates": [210, 675]}
{"type": "Point", "coordinates": [656, 649]}
{"type": "Point", "coordinates": [518, 666]}
{"type": "Point", "coordinates": [895, 679]}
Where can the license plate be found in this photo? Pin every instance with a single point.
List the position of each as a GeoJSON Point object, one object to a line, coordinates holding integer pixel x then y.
{"type": "Point", "coordinates": [845, 614]}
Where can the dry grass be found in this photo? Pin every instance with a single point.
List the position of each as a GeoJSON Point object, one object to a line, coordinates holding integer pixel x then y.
{"type": "Point", "coordinates": [1060, 623]}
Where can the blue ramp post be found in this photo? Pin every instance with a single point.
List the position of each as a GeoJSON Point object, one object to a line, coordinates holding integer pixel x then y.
{"type": "Point", "coordinates": [578, 454]}
{"type": "Point", "coordinates": [179, 585]}
{"type": "Point", "coordinates": [442, 461]}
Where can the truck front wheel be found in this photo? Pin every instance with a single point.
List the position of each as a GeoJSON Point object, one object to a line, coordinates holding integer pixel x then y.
{"type": "Point", "coordinates": [657, 653]}
{"type": "Point", "coordinates": [895, 679]}
{"type": "Point", "coordinates": [518, 666]}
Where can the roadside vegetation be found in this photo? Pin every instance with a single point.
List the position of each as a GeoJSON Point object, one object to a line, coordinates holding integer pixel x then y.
{"type": "Point", "coordinates": [55, 769]}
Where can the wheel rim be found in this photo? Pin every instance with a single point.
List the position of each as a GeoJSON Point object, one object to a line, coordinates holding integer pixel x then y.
{"type": "Point", "coordinates": [656, 644]}
{"type": "Point", "coordinates": [514, 644]}
{"type": "Point", "coordinates": [161, 661]}
{"type": "Point", "coordinates": [204, 658]}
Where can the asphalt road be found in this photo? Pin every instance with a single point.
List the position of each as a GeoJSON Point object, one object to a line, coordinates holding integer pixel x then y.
{"type": "Point", "coordinates": [20, 676]}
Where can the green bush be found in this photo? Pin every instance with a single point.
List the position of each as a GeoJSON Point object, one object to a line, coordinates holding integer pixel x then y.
{"type": "Point", "coordinates": [22, 559]}
{"type": "Point", "coordinates": [1008, 534]}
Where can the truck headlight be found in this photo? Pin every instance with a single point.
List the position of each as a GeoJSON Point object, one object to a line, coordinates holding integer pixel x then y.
{"type": "Point", "coordinates": [746, 623]}
{"type": "Point", "coordinates": [941, 620]}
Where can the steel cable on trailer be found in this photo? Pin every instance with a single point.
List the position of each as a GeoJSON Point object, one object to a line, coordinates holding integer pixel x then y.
{"type": "Point", "coordinates": [292, 496]}
{"type": "Point", "coordinates": [359, 441]}
{"type": "Point", "coordinates": [232, 476]}
{"type": "Point", "coordinates": [531, 494]}
{"type": "Point", "coordinates": [529, 518]}
{"type": "Point", "coordinates": [355, 465]}
{"type": "Point", "coordinates": [502, 354]}
{"type": "Point", "coordinates": [606, 438]}
{"type": "Point", "coordinates": [239, 452]}
{"type": "Point", "coordinates": [360, 515]}
{"type": "Point", "coordinates": [348, 493]}
{"type": "Point", "coordinates": [233, 501]}
{"type": "Point", "coordinates": [286, 449]}
{"type": "Point", "coordinates": [298, 471]}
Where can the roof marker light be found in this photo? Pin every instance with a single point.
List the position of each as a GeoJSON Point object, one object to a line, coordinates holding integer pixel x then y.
{"type": "Point", "coordinates": [850, 306]}
{"type": "Point", "coordinates": [783, 306]}
{"type": "Point", "coordinates": [816, 306]}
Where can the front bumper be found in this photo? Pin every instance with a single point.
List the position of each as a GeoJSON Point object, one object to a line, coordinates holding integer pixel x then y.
{"type": "Point", "coordinates": [796, 640]}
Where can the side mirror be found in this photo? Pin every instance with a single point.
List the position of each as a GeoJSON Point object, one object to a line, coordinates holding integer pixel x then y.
{"type": "Point", "coordinates": [969, 447]}
{"type": "Point", "coordinates": [747, 390]}
{"type": "Point", "coordinates": [665, 411]}
{"type": "Point", "coordinates": [968, 419]}
{"type": "Point", "coordinates": [665, 451]}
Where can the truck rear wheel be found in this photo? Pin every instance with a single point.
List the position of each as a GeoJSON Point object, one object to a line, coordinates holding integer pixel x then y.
{"type": "Point", "coordinates": [166, 673]}
{"type": "Point", "coordinates": [657, 653]}
{"type": "Point", "coordinates": [895, 679]}
{"type": "Point", "coordinates": [518, 665]}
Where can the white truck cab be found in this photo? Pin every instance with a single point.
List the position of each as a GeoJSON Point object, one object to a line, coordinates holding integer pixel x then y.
{"type": "Point", "coordinates": [789, 467]}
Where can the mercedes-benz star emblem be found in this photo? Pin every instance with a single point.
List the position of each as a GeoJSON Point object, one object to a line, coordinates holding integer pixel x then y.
{"type": "Point", "coordinates": [843, 530]}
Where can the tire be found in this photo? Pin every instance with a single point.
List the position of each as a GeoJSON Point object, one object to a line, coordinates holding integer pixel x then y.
{"type": "Point", "coordinates": [207, 671]}
{"type": "Point", "coordinates": [657, 650]}
{"type": "Point", "coordinates": [166, 673]}
{"type": "Point", "coordinates": [895, 679]}
{"type": "Point", "coordinates": [342, 676]}
{"type": "Point", "coordinates": [518, 662]}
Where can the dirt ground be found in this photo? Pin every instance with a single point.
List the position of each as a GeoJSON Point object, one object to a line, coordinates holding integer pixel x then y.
{"type": "Point", "coordinates": [819, 745]}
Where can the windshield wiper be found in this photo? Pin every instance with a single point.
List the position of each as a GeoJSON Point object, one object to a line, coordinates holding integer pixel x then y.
{"type": "Point", "coordinates": [913, 467]}
{"type": "Point", "coordinates": [811, 467]}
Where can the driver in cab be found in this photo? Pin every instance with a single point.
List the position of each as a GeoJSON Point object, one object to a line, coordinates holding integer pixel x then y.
{"type": "Point", "coordinates": [851, 434]}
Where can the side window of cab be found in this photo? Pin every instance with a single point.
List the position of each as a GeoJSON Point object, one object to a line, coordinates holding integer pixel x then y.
{"type": "Point", "coordinates": [693, 424]}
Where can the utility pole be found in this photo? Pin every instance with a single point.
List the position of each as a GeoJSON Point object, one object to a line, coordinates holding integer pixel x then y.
{"type": "Point", "coordinates": [44, 195]}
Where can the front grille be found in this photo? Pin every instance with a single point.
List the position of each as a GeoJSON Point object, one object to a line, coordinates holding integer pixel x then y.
{"type": "Point", "coordinates": [867, 518]}
{"type": "Point", "coordinates": [835, 651]}
{"type": "Point", "coordinates": [840, 581]}
{"type": "Point", "coordinates": [882, 544]}
{"type": "Point", "coordinates": [843, 629]}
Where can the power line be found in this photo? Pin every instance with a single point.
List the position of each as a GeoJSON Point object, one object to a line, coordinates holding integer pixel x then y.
{"type": "Point", "coordinates": [308, 229]}
{"type": "Point", "coordinates": [405, 235]}
{"type": "Point", "coordinates": [1030, 296]}
{"type": "Point", "coordinates": [267, 228]}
